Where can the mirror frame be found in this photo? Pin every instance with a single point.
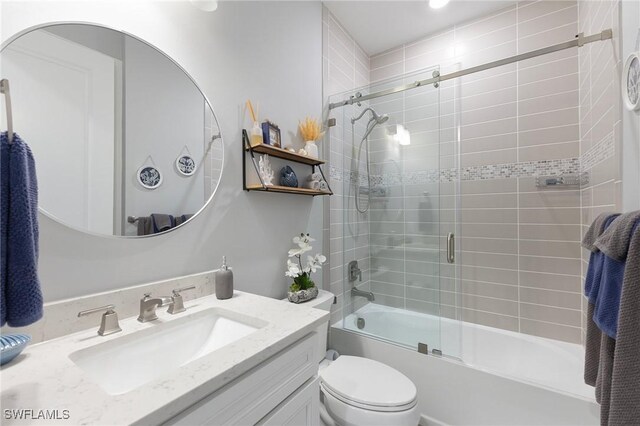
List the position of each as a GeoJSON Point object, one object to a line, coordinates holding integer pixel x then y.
{"type": "Point", "coordinates": [41, 210]}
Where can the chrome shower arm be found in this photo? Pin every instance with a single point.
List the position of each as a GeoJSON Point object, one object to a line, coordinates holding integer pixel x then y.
{"type": "Point", "coordinates": [364, 111]}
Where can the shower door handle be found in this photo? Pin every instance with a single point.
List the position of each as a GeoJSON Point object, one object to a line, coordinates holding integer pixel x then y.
{"type": "Point", "coordinates": [451, 248]}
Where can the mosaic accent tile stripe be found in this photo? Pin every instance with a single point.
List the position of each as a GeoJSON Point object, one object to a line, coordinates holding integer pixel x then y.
{"type": "Point", "coordinates": [599, 152]}
{"type": "Point", "coordinates": [472, 173]}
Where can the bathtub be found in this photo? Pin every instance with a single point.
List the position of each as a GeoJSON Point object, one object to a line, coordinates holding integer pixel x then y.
{"type": "Point", "coordinates": [485, 376]}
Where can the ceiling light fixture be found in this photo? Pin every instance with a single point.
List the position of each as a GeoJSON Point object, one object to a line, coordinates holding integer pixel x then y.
{"type": "Point", "coordinates": [437, 4]}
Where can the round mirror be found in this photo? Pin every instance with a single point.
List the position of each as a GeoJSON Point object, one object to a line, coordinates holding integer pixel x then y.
{"type": "Point", "coordinates": [125, 142]}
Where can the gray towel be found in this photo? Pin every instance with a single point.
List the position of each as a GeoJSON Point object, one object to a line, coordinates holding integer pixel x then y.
{"type": "Point", "coordinates": [594, 335]}
{"type": "Point", "coordinates": [162, 222]}
{"type": "Point", "coordinates": [145, 225]}
{"type": "Point", "coordinates": [614, 242]}
{"type": "Point", "coordinates": [592, 350]}
{"type": "Point", "coordinates": [613, 366]}
{"type": "Point", "coordinates": [182, 219]}
{"type": "Point", "coordinates": [624, 406]}
{"type": "Point", "coordinates": [595, 230]}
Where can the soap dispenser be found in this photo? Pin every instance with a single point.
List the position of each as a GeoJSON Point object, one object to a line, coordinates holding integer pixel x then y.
{"type": "Point", "coordinates": [224, 281]}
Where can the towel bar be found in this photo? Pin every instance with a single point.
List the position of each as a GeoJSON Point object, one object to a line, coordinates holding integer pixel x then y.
{"type": "Point", "coordinates": [4, 89]}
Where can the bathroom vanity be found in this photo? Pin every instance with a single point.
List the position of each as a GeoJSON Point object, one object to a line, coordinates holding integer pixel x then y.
{"type": "Point", "coordinates": [245, 360]}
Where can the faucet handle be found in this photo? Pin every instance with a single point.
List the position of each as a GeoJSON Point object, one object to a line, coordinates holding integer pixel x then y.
{"type": "Point", "coordinates": [109, 323]}
{"type": "Point", "coordinates": [177, 291]}
{"type": "Point", "coordinates": [178, 303]}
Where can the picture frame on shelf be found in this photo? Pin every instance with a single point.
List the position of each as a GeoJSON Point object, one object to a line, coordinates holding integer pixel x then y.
{"type": "Point", "coordinates": [271, 134]}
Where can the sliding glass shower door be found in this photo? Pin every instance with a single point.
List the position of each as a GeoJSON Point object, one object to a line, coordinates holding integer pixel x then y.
{"type": "Point", "coordinates": [399, 207]}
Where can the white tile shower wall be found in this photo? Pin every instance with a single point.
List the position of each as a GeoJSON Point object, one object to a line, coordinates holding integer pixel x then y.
{"type": "Point", "coordinates": [520, 255]}
{"type": "Point", "coordinates": [600, 116]}
{"type": "Point", "coordinates": [345, 67]}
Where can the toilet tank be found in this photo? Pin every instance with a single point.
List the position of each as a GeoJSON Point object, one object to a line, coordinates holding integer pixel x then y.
{"type": "Point", "coordinates": [323, 302]}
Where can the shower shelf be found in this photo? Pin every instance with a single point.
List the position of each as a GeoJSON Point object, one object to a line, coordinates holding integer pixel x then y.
{"type": "Point", "coordinates": [285, 155]}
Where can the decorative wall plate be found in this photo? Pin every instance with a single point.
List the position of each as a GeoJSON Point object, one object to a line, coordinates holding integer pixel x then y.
{"type": "Point", "coordinates": [149, 177]}
{"type": "Point", "coordinates": [631, 82]}
{"type": "Point", "coordinates": [186, 165]}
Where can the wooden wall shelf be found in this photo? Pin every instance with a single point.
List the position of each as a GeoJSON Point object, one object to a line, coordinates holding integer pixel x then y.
{"type": "Point", "coordinates": [286, 190]}
{"type": "Point", "coordinates": [284, 154]}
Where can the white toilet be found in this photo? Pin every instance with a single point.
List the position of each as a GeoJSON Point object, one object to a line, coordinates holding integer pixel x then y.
{"type": "Point", "coordinates": [357, 391]}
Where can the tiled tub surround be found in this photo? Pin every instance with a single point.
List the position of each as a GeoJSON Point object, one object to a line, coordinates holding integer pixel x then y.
{"type": "Point", "coordinates": [45, 378]}
{"type": "Point", "coordinates": [520, 259]}
{"type": "Point", "coordinates": [600, 116]}
{"type": "Point", "coordinates": [345, 67]}
{"type": "Point", "coordinates": [61, 317]}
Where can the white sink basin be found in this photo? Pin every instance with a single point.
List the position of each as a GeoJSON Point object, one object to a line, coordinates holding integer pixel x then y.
{"type": "Point", "coordinates": [123, 364]}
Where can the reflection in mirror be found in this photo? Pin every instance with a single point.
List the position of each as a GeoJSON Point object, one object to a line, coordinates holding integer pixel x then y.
{"type": "Point", "coordinates": [125, 143]}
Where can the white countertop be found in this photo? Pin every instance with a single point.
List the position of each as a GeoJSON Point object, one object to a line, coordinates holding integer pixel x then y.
{"type": "Point", "coordinates": [44, 378]}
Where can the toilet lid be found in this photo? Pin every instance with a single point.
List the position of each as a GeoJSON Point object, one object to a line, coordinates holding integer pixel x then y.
{"type": "Point", "coordinates": [368, 384]}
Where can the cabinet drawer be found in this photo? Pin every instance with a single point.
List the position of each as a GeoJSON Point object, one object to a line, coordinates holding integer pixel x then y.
{"type": "Point", "coordinates": [301, 408]}
{"type": "Point", "coordinates": [253, 395]}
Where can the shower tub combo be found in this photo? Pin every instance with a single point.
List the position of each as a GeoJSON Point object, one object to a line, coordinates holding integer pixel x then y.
{"type": "Point", "coordinates": [401, 292]}
{"type": "Point", "coordinates": [499, 378]}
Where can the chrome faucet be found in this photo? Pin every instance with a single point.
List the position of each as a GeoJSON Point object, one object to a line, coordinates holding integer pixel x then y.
{"type": "Point", "coordinates": [148, 306]}
{"type": "Point", "coordinates": [357, 292]}
{"type": "Point", "coordinates": [178, 302]}
{"type": "Point", "coordinates": [109, 323]}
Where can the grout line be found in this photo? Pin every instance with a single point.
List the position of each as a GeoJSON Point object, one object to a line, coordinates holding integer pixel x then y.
{"type": "Point", "coordinates": [546, 14]}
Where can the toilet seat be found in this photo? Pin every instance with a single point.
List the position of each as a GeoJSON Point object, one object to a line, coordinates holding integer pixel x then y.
{"type": "Point", "coordinates": [368, 384]}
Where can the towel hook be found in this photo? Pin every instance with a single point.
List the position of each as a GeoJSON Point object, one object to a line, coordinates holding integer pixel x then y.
{"type": "Point", "coordinates": [4, 89]}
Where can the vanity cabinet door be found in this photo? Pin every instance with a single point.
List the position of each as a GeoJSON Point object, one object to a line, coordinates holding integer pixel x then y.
{"type": "Point", "coordinates": [255, 394]}
{"type": "Point", "coordinates": [301, 408]}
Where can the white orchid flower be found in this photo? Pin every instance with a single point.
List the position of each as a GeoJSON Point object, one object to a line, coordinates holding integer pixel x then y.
{"type": "Point", "coordinates": [312, 264]}
{"type": "Point", "coordinates": [303, 240]}
{"type": "Point", "coordinates": [299, 251]}
{"type": "Point", "coordinates": [293, 269]}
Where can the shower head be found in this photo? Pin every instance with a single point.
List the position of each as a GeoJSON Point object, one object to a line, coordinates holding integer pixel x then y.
{"type": "Point", "coordinates": [379, 119]}
{"type": "Point", "coordinates": [373, 122]}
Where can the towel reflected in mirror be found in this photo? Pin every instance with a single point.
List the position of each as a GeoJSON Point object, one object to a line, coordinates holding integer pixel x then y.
{"type": "Point", "coordinates": [158, 222]}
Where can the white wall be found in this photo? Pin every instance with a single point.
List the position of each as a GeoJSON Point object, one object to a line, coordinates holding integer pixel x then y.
{"type": "Point", "coordinates": [164, 113]}
{"type": "Point", "coordinates": [268, 51]}
{"type": "Point", "coordinates": [629, 36]}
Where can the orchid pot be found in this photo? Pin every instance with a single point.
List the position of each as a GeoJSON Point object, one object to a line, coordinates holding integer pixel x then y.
{"type": "Point", "coordinates": [303, 288]}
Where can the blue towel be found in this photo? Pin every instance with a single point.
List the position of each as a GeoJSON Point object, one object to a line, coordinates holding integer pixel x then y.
{"type": "Point", "coordinates": [19, 285]}
{"type": "Point", "coordinates": [595, 269]}
{"type": "Point", "coordinates": [607, 303]}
